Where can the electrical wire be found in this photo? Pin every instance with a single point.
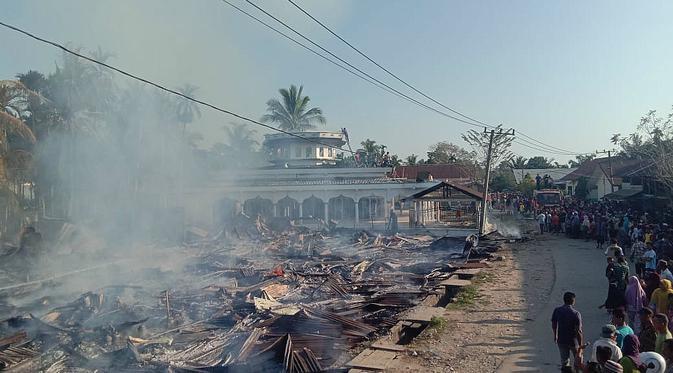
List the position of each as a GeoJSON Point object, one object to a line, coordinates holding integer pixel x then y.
{"type": "Point", "coordinates": [163, 88]}
{"type": "Point", "coordinates": [544, 145]}
{"type": "Point", "coordinates": [358, 69]}
{"type": "Point", "coordinates": [312, 50]}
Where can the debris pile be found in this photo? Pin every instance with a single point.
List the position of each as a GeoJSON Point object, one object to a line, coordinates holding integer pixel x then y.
{"type": "Point", "coordinates": [295, 301]}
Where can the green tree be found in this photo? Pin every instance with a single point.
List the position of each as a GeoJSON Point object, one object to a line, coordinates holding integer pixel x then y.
{"type": "Point", "coordinates": [186, 110]}
{"type": "Point", "coordinates": [581, 159]}
{"type": "Point", "coordinates": [539, 162]}
{"type": "Point", "coordinates": [241, 149]}
{"type": "Point", "coordinates": [480, 143]}
{"type": "Point", "coordinates": [293, 113]}
{"type": "Point", "coordinates": [411, 160]}
{"type": "Point", "coordinates": [582, 189]}
{"type": "Point", "coordinates": [652, 141]}
{"type": "Point", "coordinates": [448, 153]}
{"type": "Point", "coordinates": [518, 162]}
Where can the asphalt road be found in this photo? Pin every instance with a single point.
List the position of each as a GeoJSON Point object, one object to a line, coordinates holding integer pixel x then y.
{"type": "Point", "coordinates": [578, 267]}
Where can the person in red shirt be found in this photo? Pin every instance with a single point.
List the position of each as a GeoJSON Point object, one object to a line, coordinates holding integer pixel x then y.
{"type": "Point", "coordinates": [555, 223]}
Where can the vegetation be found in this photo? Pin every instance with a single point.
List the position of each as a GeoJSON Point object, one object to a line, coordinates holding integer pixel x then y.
{"type": "Point", "coordinates": [652, 141]}
{"type": "Point", "coordinates": [438, 323]}
{"type": "Point", "coordinates": [468, 295]}
{"type": "Point", "coordinates": [293, 113]}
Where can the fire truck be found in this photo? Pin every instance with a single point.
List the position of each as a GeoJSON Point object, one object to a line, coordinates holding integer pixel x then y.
{"type": "Point", "coordinates": [548, 197]}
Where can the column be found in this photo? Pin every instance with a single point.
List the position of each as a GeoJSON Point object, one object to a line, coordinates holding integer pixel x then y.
{"type": "Point", "coordinates": [327, 211]}
{"type": "Point", "coordinates": [357, 214]}
{"type": "Point", "coordinates": [275, 209]}
{"type": "Point", "coordinates": [301, 210]}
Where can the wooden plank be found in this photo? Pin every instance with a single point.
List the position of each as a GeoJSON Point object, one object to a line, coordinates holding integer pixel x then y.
{"type": "Point", "coordinates": [376, 360]}
{"type": "Point", "coordinates": [422, 314]}
{"type": "Point", "coordinates": [454, 282]}
{"type": "Point", "coordinates": [475, 265]}
{"type": "Point", "coordinates": [466, 273]}
{"type": "Point", "coordinates": [388, 347]}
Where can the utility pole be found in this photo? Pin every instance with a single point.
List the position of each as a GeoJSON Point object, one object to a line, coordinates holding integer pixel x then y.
{"type": "Point", "coordinates": [482, 218]}
{"type": "Point", "coordinates": [612, 181]}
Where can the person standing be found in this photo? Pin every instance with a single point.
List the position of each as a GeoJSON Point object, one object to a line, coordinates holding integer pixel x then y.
{"type": "Point", "coordinates": [614, 250]}
{"type": "Point", "coordinates": [648, 335]}
{"type": "Point", "coordinates": [636, 299]}
{"type": "Point", "coordinates": [566, 323]}
{"type": "Point", "coordinates": [659, 301]}
{"type": "Point", "coordinates": [608, 339]}
{"type": "Point", "coordinates": [660, 322]}
{"type": "Point", "coordinates": [542, 220]}
{"type": "Point", "coordinates": [663, 271]}
{"type": "Point", "coordinates": [650, 257]}
{"type": "Point", "coordinates": [621, 273]}
{"type": "Point", "coordinates": [667, 353]}
{"type": "Point", "coordinates": [630, 360]}
{"type": "Point", "coordinates": [637, 251]}
{"type": "Point", "coordinates": [619, 321]}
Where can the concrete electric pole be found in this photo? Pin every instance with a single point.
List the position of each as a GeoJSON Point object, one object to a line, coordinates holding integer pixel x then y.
{"type": "Point", "coordinates": [487, 179]}
{"type": "Point", "coordinates": [612, 181]}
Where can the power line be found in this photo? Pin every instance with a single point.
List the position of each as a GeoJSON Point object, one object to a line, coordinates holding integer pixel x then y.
{"type": "Point", "coordinates": [411, 86]}
{"type": "Point", "coordinates": [385, 69]}
{"type": "Point", "coordinates": [358, 69]}
{"type": "Point", "coordinates": [160, 87]}
{"type": "Point", "coordinates": [312, 50]}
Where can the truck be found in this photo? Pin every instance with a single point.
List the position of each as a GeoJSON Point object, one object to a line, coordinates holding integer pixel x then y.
{"type": "Point", "coordinates": [548, 197]}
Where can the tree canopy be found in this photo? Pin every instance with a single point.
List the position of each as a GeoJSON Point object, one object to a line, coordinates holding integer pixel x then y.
{"type": "Point", "coordinates": [293, 113]}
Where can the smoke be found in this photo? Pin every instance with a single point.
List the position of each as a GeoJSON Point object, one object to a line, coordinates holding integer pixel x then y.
{"type": "Point", "coordinates": [506, 225]}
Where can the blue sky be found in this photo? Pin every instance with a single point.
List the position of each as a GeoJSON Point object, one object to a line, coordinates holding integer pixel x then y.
{"type": "Point", "coordinates": [570, 73]}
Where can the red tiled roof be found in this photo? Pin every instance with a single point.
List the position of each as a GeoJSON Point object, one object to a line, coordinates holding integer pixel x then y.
{"type": "Point", "coordinates": [438, 171]}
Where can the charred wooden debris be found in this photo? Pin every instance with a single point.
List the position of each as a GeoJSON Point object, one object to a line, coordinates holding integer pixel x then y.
{"type": "Point", "coordinates": [295, 301]}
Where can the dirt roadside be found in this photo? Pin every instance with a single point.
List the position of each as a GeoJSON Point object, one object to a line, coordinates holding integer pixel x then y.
{"type": "Point", "coordinates": [489, 323]}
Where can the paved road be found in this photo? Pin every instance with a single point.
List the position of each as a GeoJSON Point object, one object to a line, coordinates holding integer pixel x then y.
{"type": "Point", "coordinates": [578, 267]}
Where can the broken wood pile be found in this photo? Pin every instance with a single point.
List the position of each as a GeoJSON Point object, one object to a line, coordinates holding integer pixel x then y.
{"type": "Point", "coordinates": [294, 301]}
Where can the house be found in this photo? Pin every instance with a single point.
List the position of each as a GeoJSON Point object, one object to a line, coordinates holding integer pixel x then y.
{"type": "Point", "coordinates": [603, 176]}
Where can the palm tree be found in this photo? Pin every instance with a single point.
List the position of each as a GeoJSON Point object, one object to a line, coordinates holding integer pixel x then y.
{"type": "Point", "coordinates": [293, 114]}
{"type": "Point", "coordinates": [411, 160]}
{"type": "Point", "coordinates": [518, 162]}
{"type": "Point", "coordinates": [242, 146]}
{"type": "Point", "coordinates": [186, 111]}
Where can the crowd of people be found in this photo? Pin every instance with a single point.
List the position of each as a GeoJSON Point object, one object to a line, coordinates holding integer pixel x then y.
{"type": "Point", "coordinates": [640, 304]}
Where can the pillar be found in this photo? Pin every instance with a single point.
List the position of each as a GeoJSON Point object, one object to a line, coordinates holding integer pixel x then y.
{"type": "Point", "coordinates": [357, 213]}
{"type": "Point", "coordinates": [301, 210]}
{"type": "Point", "coordinates": [327, 211]}
{"type": "Point", "coordinates": [275, 209]}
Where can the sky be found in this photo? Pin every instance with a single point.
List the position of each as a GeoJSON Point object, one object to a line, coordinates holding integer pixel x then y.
{"type": "Point", "coordinates": [568, 73]}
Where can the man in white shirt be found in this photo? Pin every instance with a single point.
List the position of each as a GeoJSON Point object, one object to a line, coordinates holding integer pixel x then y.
{"type": "Point", "coordinates": [608, 339]}
{"type": "Point", "coordinates": [664, 272]}
{"type": "Point", "coordinates": [614, 250]}
{"type": "Point", "coordinates": [650, 257]}
{"type": "Point", "coordinates": [541, 220]}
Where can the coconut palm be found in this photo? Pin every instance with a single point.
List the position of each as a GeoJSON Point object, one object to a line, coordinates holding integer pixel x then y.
{"type": "Point", "coordinates": [518, 162]}
{"type": "Point", "coordinates": [186, 111]}
{"type": "Point", "coordinates": [293, 114]}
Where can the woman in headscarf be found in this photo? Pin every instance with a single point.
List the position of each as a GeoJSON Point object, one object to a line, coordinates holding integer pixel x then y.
{"type": "Point", "coordinates": [659, 301]}
{"type": "Point", "coordinates": [630, 360]}
{"type": "Point", "coordinates": [636, 299]}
